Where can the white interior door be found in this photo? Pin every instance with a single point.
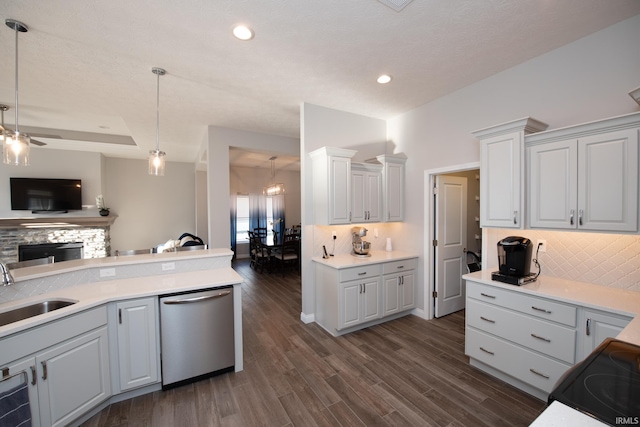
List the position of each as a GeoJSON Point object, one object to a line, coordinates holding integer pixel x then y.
{"type": "Point", "coordinates": [451, 237]}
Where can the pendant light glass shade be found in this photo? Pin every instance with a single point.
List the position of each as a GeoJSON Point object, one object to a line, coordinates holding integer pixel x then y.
{"type": "Point", "coordinates": [273, 189]}
{"type": "Point", "coordinates": [15, 144]}
{"type": "Point", "coordinates": [157, 157]}
{"type": "Point", "coordinates": [156, 162]}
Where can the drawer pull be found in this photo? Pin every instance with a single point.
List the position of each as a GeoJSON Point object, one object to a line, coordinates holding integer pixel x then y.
{"type": "Point", "coordinates": [487, 320]}
{"type": "Point", "coordinates": [539, 374]}
{"type": "Point", "coordinates": [487, 295]}
{"type": "Point", "coordinates": [362, 274]}
{"type": "Point", "coordinates": [487, 351]}
{"type": "Point", "coordinates": [400, 266]}
{"type": "Point", "coordinates": [540, 309]}
{"type": "Point", "coordinates": [541, 338]}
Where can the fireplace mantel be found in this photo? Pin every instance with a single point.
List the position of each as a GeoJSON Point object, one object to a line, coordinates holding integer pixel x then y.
{"type": "Point", "coordinates": [59, 221]}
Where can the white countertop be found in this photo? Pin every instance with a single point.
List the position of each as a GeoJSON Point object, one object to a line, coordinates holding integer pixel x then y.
{"type": "Point", "coordinates": [347, 260]}
{"type": "Point", "coordinates": [560, 415]}
{"type": "Point", "coordinates": [93, 294]}
{"type": "Point", "coordinates": [113, 261]}
{"type": "Point", "coordinates": [598, 297]}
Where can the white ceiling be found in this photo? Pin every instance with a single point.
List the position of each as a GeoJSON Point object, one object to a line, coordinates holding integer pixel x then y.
{"type": "Point", "coordinates": [85, 66]}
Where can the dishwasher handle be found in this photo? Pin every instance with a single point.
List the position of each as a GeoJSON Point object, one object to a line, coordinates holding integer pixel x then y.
{"type": "Point", "coordinates": [197, 299]}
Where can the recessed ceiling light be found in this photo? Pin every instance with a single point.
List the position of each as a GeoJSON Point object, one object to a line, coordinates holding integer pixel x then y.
{"type": "Point", "coordinates": [242, 32]}
{"type": "Point", "coordinates": [383, 79]}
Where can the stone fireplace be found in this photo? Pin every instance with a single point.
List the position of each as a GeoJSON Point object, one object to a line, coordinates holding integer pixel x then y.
{"type": "Point", "coordinates": [94, 234]}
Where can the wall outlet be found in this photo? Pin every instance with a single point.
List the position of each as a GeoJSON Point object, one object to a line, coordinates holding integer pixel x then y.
{"type": "Point", "coordinates": [542, 242]}
{"type": "Point", "coordinates": [168, 266]}
{"type": "Point", "coordinates": [334, 234]}
{"type": "Point", "coordinates": [107, 272]}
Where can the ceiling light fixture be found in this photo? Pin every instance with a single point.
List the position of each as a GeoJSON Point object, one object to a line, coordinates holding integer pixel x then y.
{"type": "Point", "coordinates": [635, 94]}
{"type": "Point", "coordinates": [16, 144]}
{"type": "Point", "coordinates": [273, 189]}
{"type": "Point", "coordinates": [157, 157]}
{"type": "Point", "coordinates": [384, 79]}
{"type": "Point", "coordinates": [242, 32]}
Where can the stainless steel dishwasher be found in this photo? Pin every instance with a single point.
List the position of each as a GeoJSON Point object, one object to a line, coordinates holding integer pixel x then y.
{"type": "Point", "coordinates": [197, 337]}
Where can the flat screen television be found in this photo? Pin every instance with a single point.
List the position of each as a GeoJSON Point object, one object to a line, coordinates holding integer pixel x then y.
{"type": "Point", "coordinates": [41, 195]}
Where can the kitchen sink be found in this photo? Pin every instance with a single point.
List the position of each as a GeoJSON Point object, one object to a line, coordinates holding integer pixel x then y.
{"type": "Point", "coordinates": [28, 311]}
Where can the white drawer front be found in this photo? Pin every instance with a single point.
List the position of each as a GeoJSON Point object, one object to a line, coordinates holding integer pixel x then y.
{"type": "Point", "coordinates": [525, 365]}
{"type": "Point", "coordinates": [548, 338]}
{"type": "Point", "coordinates": [528, 304]}
{"type": "Point", "coordinates": [399, 266]}
{"type": "Point", "coordinates": [363, 272]}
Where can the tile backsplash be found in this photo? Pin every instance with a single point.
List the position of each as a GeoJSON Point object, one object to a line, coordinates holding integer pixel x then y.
{"type": "Point", "coordinates": [605, 259]}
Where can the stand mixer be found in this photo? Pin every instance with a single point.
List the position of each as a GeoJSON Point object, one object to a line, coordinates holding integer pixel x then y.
{"type": "Point", "coordinates": [360, 247]}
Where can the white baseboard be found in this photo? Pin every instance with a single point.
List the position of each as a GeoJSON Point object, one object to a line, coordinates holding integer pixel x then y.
{"type": "Point", "coordinates": [307, 318]}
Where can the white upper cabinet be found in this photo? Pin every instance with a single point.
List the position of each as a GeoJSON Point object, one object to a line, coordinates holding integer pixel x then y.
{"type": "Point", "coordinates": [366, 192]}
{"type": "Point", "coordinates": [332, 185]}
{"type": "Point", "coordinates": [585, 177]}
{"type": "Point", "coordinates": [393, 186]}
{"type": "Point", "coordinates": [502, 172]}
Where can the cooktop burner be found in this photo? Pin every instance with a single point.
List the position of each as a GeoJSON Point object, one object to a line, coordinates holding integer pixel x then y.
{"type": "Point", "coordinates": [606, 385]}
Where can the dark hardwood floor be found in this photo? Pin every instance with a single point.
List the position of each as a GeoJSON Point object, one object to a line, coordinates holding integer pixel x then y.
{"type": "Point", "coordinates": [405, 372]}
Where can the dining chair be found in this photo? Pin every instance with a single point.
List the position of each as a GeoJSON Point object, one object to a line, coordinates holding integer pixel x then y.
{"type": "Point", "coordinates": [262, 254]}
{"type": "Point", "coordinates": [261, 232]}
{"type": "Point", "coordinates": [288, 252]}
{"type": "Point", "coordinates": [30, 262]}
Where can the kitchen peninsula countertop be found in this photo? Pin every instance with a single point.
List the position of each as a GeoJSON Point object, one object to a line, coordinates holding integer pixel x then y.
{"type": "Point", "coordinates": [339, 261]}
{"type": "Point", "coordinates": [93, 294]}
{"type": "Point", "coordinates": [598, 297]}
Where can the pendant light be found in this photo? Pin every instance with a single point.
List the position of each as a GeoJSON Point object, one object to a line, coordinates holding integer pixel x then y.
{"type": "Point", "coordinates": [157, 157]}
{"type": "Point", "coordinates": [16, 144]}
{"type": "Point", "coordinates": [273, 189]}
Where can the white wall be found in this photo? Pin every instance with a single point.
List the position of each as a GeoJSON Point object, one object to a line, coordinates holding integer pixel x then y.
{"type": "Point", "coordinates": [582, 81]}
{"type": "Point", "coordinates": [150, 209]}
{"type": "Point", "coordinates": [319, 127]}
{"type": "Point", "coordinates": [46, 163]}
{"type": "Point", "coordinates": [220, 139]}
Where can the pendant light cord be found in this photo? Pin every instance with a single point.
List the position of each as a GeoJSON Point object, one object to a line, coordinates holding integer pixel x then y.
{"type": "Point", "coordinates": [158, 113]}
{"type": "Point", "coordinates": [16, 31]}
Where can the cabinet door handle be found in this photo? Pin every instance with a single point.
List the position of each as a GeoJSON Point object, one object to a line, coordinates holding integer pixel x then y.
{"type": "Point", "coordinates": [402, 280]}
{"type": "Point", "coordinates": [44, 369]}
{"type": "Point", "coordinates": [538, 373]}
{"type": "Point", "coordinates": [540, 309]}
{"type": "Point", "coordinates": [364, 288]}
{"type": "Point", "coordinates": [580, 214]}
{"type": "Point", "coordinates": [515, 217]}
{"type": "Point", "coordinates": [541, 338]}
{"type": "Point", "coordinates": [487, 295]}
{"type": "Point", "coordinates": [571, 213]}
{"type": "Point", "coordinates": [588, 329]}
{"type": "Point", "coordinates": [487, 351]}
{"type": "Point", "coordinates": [349, 216]}
{"type": "Point", "coordinates": [120, 316]}
{"type": "Point", "coordinates": [34, 375]}
{"type": "Point", "coordinates": [487, 320]}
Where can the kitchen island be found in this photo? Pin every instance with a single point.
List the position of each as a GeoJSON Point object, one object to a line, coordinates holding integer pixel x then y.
{"type": "Point", "coordinates": [78, 359]}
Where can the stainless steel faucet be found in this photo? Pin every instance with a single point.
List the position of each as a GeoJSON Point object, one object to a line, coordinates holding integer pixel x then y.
{"type": "Point", "coordinates": [7, 278]}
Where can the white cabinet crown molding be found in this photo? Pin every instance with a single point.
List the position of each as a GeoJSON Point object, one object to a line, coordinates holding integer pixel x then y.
{"type": "Point", "coordinates": [332, 151]}
{"type": "Point", "coordinates": [596, 127]}
{"type": "Point", "coordinates": [527, 124]}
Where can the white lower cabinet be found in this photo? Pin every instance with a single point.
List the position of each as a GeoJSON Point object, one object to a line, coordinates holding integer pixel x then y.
{"type": "Point", "coordinates": [66, 363]}
{"type": "Point", "coordinates": [598, 326]}
{"type": "Point", "coordinates": [137, 341]}
{"type": "Point", "coordinates": [75, 378]}
{"type": "Point", "coordinates": [531, 340]}
{"type": "Point", "coordinates": [351, 298]}
{"type": "Point", "coordinates": [359, 302]}
{"type": "Point", "coordinates": [398, 284]}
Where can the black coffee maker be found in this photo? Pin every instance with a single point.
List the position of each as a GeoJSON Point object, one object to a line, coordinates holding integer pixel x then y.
{"type": "Point", "coordinates": [514, 256]}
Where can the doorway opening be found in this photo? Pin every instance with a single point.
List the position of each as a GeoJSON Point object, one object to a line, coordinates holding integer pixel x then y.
{"type": "Point", "coordinates": [452, 230]}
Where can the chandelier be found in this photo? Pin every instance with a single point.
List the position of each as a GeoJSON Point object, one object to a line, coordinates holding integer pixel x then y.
{"type": "Point", "coordinates": [273, 189]}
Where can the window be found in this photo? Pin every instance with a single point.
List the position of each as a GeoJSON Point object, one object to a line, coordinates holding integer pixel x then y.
{"type": "Point", "coordinates": [242, 218]}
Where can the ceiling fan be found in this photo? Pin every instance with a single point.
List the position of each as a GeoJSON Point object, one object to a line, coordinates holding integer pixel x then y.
{"type": "Point", "coordinates": [4, 108]}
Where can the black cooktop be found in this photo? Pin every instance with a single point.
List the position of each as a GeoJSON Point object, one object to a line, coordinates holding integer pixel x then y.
{"type": "Point", "coordinates": [606, 385]}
